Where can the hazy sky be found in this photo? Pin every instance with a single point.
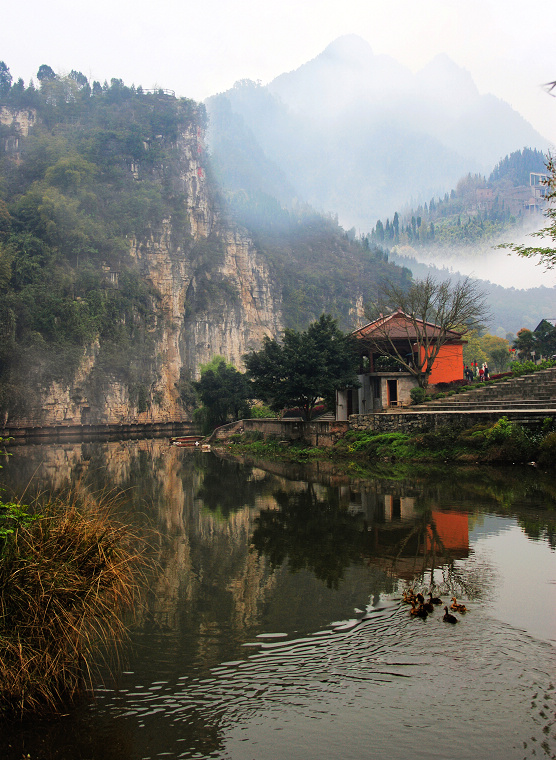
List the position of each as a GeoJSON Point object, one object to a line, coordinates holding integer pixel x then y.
{"type": "Point", "coordinates": [200, 48]}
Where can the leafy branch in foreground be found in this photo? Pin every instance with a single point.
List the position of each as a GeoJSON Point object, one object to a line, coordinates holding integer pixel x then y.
{"type": "Point", "coordinates": [13, 516]}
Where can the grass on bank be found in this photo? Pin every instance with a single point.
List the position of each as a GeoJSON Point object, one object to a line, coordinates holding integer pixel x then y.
{"type": "Point", "coordinates": [499, 442]}
{"type": "Point", "coordinates": [68, 571]}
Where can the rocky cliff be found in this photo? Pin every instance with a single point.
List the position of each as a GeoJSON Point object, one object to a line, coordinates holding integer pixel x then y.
{"type": "Point", "coordinates": [214, 257]}
{"type": "Point", "coordinates": [248, 305]}
{"type": "Point", "coordinates": [124, 265]}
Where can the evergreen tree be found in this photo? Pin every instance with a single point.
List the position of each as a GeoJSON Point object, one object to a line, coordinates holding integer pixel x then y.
{"type": "Point", "coordinates": [223, 391]}
{"type": "Point", "coordinates": [396, 227]}
{"type": "Point", "coordinates": [45, 74]}
{"type": "Point", "coordinates": [305, 368]}
{"type": "Point", "coordinates": [5, 80]}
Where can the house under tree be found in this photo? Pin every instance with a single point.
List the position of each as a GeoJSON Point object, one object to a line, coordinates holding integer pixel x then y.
{"type": "Point", "coordinates": [384, 381]}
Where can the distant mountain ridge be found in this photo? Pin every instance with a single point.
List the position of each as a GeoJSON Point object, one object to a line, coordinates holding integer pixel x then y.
{"type": "Point", "coordinates": [360, 135]}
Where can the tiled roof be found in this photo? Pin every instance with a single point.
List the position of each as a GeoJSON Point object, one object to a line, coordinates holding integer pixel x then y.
{"type": "Point", "coordinates": [400, 326]}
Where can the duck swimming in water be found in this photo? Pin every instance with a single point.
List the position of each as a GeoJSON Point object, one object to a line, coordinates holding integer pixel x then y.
{"type": "Point", "coordinates": [434, 599]}
{"type": "Point", "coordinates": [429, 606]}
{"type": "Point", "coordinates": [457, 607]}
{"type": "Point", "coordinates": [448, 618]}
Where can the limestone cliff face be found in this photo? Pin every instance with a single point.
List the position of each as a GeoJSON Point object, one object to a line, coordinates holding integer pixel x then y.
{"type": "Point", "coordinates": [19, 123]}
{"type": "Point", "coordinates": [242, 307]}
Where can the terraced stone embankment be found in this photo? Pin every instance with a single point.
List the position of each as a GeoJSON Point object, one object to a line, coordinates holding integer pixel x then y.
{"type": "Point", "coordinates": [526, 400]}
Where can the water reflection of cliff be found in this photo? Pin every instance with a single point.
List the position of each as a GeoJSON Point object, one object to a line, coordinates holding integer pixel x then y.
{"type": "Point", "coordinates": [198, 512]}
{"type": "Point", "coordinates": [240, 546]}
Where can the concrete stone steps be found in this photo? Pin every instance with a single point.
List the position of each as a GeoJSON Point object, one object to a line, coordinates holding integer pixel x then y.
{"type": "Point", "coordinates": [528, 392]}
{"type": "Point", "coordinates": [498, 406]}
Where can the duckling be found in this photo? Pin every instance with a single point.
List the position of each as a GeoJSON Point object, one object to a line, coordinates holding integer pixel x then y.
{"type": "Point", "coordinates": [457, 607]}
{"type": "Point", "coordinates": [408, 596]}
{"type": "Point", "coordinates": [449, 618]}
{"type": "Point", "coordinates": [420, 598]}
{"type": "Point", "coordinates": [419, 611]}
{"type": "Point", "coordinates": [434, 599]}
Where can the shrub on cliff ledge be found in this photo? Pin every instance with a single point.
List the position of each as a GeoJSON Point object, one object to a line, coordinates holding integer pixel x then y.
{"type": "Point", "coordinates": [65, 579]}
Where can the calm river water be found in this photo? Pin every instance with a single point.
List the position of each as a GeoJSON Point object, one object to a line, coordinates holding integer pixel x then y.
{"type": "Point", "coordinates": [273, 627]}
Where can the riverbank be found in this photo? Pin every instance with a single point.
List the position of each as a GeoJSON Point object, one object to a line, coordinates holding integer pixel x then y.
{"type": "Point", "coordinates": [500, 442]}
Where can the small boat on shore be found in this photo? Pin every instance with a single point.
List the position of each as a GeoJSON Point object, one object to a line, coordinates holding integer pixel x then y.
{"type": "Point", "coordinates": [189, 441]}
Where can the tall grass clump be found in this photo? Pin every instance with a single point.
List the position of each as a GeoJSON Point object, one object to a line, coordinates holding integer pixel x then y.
{"type": "Point", "coordinates": [67, 575]}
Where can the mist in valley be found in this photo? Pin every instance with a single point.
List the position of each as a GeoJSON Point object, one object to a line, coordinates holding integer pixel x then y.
{"type": "Point", "coordinates": [355, 136]}
{"type": "Point", "coordinates": [359, 135]}
{"type": "Point", "coordinates": [485, 261]}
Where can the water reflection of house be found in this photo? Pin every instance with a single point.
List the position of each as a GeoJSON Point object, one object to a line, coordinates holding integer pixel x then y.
{"type": "Point", "coordinates": [377, 506]}
{"type": "Point", "coordinates": [384, 382]}
{"type": "Point", "coordinates": [451, 531]}
{"type": "Point", "coordinates": [403, 541]}
{"type": "Point", "coordinates": [411, 549]}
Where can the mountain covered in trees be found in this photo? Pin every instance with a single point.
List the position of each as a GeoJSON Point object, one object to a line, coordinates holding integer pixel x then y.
{"type": "Point", "coordinates": [478, 209]}
{"type": "Point", "coordinates": [130, 254]}
{"type": "Point", "coordinates": [123, 267]}
{"type": "Point", "coordinates": [359, 135]}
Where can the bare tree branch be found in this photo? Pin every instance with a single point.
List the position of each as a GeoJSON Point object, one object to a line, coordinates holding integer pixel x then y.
{"type": "Point", "coordinates": [423, 319]}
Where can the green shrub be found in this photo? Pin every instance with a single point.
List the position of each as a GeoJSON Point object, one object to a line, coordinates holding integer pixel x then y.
{"type": "Point", "coordinates": [418, 395]}
{"type": "Point", "coordinates": [548, 425]}
{"type": "Point", "coordinates": [500, 431]}
{"type": "Point", "coordinates": [380, 444]}
{"type": "Point", "coordinates": [527, 367]}
{"type": "Point", "coordinates": [260, 411]}
{"type": "Point", "coordinates": [441, 439]}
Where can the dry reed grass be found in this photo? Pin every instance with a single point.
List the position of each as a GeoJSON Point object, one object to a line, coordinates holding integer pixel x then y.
{"type": "Point", "coordinates": [65, 581]}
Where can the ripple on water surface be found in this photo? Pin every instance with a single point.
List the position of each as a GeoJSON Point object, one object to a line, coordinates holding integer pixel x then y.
{"type": "Point", "coordinates": [388, 685]}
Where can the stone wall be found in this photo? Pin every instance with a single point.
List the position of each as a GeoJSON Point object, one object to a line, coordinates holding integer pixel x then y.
{"type": "Point", "coordinates": [325, 433]}
{"type": "Point", "coordinates": [412, 422]}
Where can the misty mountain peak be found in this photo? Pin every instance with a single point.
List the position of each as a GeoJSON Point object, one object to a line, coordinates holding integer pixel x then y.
{"type": "Point", "coordinates": [351, 49]}
{"type": "Point", "coordinates": [358, 134]}
{"type": "Point", "coordinates": [442, 74]}
{"type": "Point", "coordinates": [346, 72]}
